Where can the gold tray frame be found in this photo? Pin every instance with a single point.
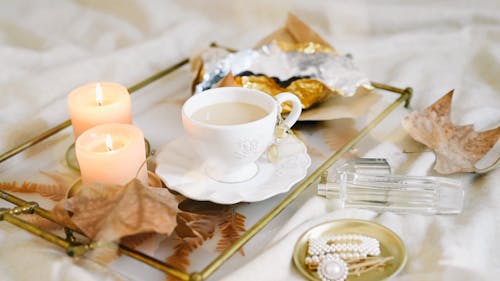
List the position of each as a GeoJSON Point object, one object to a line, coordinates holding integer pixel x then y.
{"type": "Point", "coordinates": [75, 249]}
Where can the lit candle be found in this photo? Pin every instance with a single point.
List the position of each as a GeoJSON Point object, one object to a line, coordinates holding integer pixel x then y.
{"type": "Point", "coordinates": [98, 103]}
{"type": "Point", "coordinates": [111, 153]}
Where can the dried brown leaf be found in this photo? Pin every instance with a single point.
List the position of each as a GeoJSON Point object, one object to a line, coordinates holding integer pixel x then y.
{"type": "Point", "coordinates": [51, 191]}
{"type": "Point", "coordinates": [180, 257]}
{"type": "Point", "coordinates": [192, 230]}
{"type": "Point", "coordinates": [104, 253]}
{"type": "Point", "coordinates": [42, 223]}
{"type": "Point", "coordinates": [231, 229]}
{"type": "Point", "coordinates": [311, 150]}
{"type": "Point", "coordinates": [457, 148]}
{"type": "Point", "coordinates": [339, 107]}
{"type": "Point", "coordinates": [134, 241]}
{"type": "Point", "coordinates": [195, 225]}
{"type": "Point", "coordinates": [197, 222]}
{"type": "Point", "coordinates": [203, 207]}
{"type": "Point", "coordinates": [294, 31]}
{"type": "Point", "coordinates": [338, 132]}
{"type": "Point", "coordinates": [63, 180]}
{"type": "Point", "coordinates": [62, 217]}
{"type": "Point", "coordinates": [110, 212]}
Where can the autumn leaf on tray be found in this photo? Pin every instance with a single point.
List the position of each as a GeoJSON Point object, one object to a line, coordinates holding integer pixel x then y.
{"type": "Point", "coordinates": [197, 222]}
{"type": "Point", "coordinates": [457, 148]}
{"type": "Point", "coordinates": [40, 222]}
{"type": "Point", "coordinates": [110, 212]}
{"type": "Point", "coordinates": [64, 181]}
{"type": "Point", "coordinates": [134, 241]}
{"type": "Point", "coordinates": [192, 231]}
{"type": "Point", "coordinates": [51, 191]}
{"type": "Point", "coordinates": [231, 229]}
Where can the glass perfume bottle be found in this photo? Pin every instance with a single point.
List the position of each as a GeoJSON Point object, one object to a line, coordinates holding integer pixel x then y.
{"type": "Point", "coordinates": [368, 183]}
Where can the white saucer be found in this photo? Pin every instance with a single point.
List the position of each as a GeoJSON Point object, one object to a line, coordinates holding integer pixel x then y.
{"type": "Point", "coordinates": [181, 170]}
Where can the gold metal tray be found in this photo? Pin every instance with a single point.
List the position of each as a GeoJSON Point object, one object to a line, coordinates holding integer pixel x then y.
{"type": "Point", "coordinates": [10, 215]}
{"type": "Point", "coordinates": [390, 245]}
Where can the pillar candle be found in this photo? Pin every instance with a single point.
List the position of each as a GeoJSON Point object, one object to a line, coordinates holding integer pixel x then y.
{"type": "Point", "coordinates": [111, 153]}
{"type": "Point", "coordinates": [98, 103]}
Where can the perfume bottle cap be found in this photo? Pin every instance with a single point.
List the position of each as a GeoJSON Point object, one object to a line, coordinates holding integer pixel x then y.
{"type": "Point", "coordinates": [359, 166]}
{"type": "Point", "coordinates": [367, 166]}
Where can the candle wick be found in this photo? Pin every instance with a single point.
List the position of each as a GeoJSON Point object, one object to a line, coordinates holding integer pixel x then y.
{"type": "Point", "coordinates": [98, 94]}
{"type": "Point", "coordinates": [109, 143]}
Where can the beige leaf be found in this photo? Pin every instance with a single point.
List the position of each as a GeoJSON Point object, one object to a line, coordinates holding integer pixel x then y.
{"type": "Point", "coordinates": [110, 212]}
{"type": "Point", "coordinates": [40, 222]}
{"type": "Point", "coordinates": [337, 133]}
{"type": "Point", "coordinates": [51, 191]}
{"type": "Point", "coordinates": [64, 180]}
{"type": "Point", "coordinates": [203, 207]}
{"type": "Point", "coordinates": [104, 253]}
{"type": "Point", "coordinates": [294, 31]}
{"type": "Point", "coordinates": [311, 150]}
{"type": "Point", "coordinates": [457, 148]}
{"type": "Point", "coordinates": [134, 241]}
{"type": "Point", "coordinates": [232, 228]}
{"type": "Point", "coordinates": [61, 215]}
{"type": "Point", "coordinates": [192, 229]}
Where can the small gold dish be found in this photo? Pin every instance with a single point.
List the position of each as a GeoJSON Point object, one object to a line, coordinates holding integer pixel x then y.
{"type": "Point", "coordinates": [390, 245]}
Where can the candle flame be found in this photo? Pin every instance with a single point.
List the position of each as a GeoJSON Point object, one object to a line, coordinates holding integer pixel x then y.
{"type": "Point", "coordinates": [109, 143]}
{"type": "Point", "coordinates": [98, 94]}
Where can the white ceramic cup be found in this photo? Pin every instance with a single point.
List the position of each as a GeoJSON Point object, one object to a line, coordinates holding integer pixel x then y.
{"type": "Point", "coordinates": [229, 152]}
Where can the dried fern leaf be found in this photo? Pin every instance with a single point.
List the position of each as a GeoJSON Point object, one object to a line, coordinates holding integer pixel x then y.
{"type": "Point", "coordinates": [192, 230]}
{"type": "Point", "coordinates": [231, 229]}
{"type": "Point", "coordinates": [51, 191]}
{"type": "Point", "coordinates": [64, 180]}
{"type": "Point", "coordinates": [180, 257]}
{"type": "Point", "coordinates": [134, 241]}
{"type": "Point", "coordinates": [311, 150]}
{"type": "Point", "coordinates": [338, 132]}
{"type": "Point", "coordinates": [195, 225]}
{"type": "Point", "coordinates": [203, 207]}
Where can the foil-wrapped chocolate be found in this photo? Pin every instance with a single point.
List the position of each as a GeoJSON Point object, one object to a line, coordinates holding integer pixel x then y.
{"type": "Point", "coordinates": [309, 91]}
{"type": "Point", "coordinates": [311, 71]}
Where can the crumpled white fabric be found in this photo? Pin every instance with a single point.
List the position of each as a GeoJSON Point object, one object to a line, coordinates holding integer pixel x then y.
{"type": "Point", "coordinates": [25, 258]}
{"type": "Point", "coordinates": [48, 48]}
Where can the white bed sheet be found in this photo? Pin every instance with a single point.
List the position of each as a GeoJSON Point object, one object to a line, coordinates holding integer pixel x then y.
{"type": "Point", "coordinates": [49, 47]}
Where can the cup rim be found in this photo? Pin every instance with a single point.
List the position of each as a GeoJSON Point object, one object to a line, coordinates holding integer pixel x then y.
{"type": "Point", "coordinates": [214, 91]}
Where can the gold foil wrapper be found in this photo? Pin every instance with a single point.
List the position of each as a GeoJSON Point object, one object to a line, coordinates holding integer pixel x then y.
{"type": "Point", "coordinates": [295, 59]}
{"type": "Point", "coordinates": [304, 47]}
{"type": "Point", "coordinates": [309, 91]}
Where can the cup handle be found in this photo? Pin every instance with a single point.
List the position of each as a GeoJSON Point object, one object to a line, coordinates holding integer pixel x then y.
{"type": "Point", "coordinates": [296, 108]}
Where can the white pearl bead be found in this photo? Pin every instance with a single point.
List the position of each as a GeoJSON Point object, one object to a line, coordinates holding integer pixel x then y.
{"type": "Point", "coordinates": [333, 270]}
